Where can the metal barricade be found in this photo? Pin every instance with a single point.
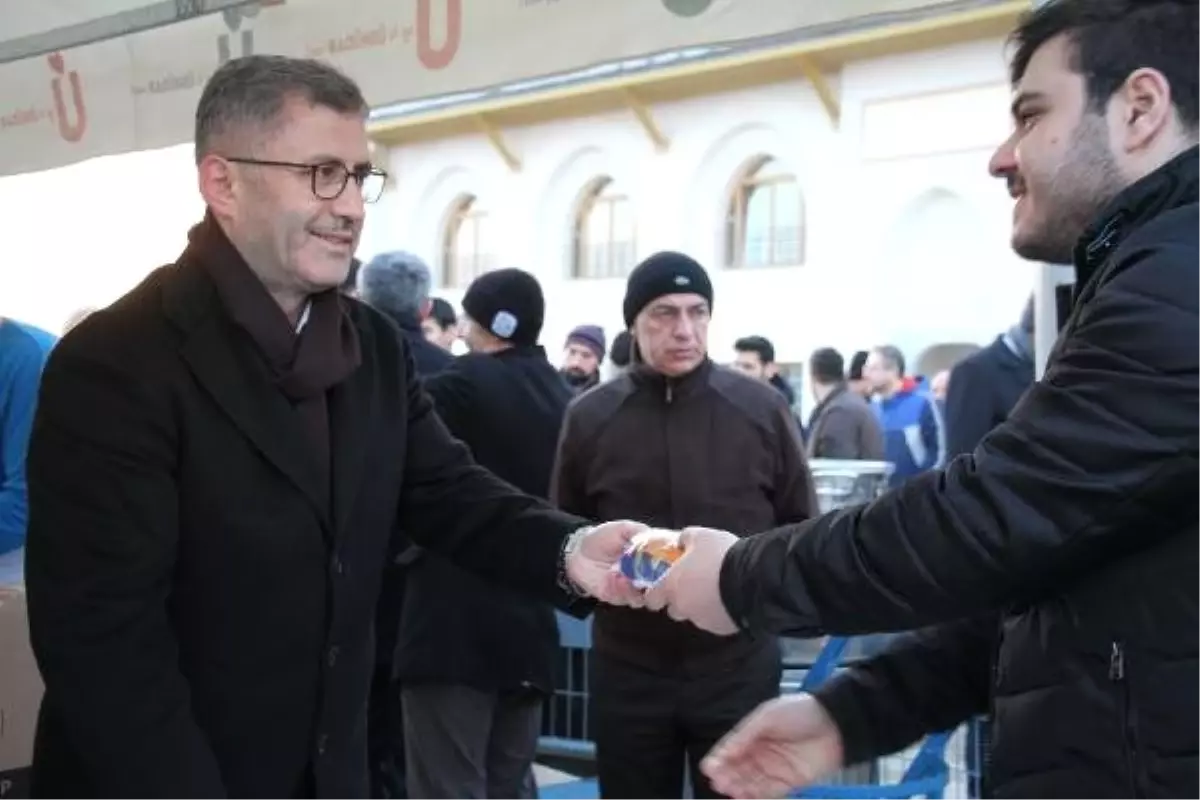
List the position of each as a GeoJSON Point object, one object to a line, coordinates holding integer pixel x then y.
{"type": "Point", "coordinates": [838, 483]}
{"type": "Point", "coordinates": [844, 482]}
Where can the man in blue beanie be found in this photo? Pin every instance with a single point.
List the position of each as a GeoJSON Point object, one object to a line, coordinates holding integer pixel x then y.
{"type": "Point", "coordinates": [396, 284]}
{"type": "Point", "coordinates": [582, 357]}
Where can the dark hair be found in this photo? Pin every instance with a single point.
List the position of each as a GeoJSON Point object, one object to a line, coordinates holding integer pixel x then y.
{"type": "Point", "coordinates": [442, 313]}
{"type": "Point", "coordinates": [756, 344]}
{"type": "Point", "coordinates": [892, 355]}
{"type": "Point", "coordinates": [250, 92]}
{"type": "Point", "coordinates": [1110, 39]}
{"type": "Point", "coordinates": [621, 351]}
{"type": "Point", "coordinates": [857, 362]}
{"type": "Point", "coordinates": [827, 366]}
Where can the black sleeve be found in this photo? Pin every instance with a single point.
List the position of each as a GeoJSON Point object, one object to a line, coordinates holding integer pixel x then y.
{"type": "Point", "coordinates": [1097, 461]}
{"type": "Point", "coordinates": [455, 508]}
{"type": "Point", "coordinates": [970, 413]}
{"type": "Point", "coordinates": [102, 546]}
{"type": "Point", "coordinates": [924, 682]}
{"type": "Point", "coordinates": [453, 397]}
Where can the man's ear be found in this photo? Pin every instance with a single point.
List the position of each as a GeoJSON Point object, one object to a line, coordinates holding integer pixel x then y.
{"type": "Point", "coordinates": [771, 370]}
{"type": "Point", "coordinates": [217, 185]}
{"type": "Point", "coordinates": [1148, 109]}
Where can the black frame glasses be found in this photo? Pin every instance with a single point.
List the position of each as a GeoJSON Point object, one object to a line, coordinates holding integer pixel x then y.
{"type": "Point", "coordinates": [328, 179]}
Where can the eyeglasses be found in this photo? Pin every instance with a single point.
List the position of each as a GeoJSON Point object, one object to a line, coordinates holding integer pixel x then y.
{"type": "Point", "coordinates": [329, 178]}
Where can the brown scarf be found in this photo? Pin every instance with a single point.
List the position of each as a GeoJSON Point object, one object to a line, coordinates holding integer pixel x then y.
{"type": "Point", "coordinates": [305, 365]}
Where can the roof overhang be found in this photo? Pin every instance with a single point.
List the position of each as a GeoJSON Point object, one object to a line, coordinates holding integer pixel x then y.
{"type": "Point", "coordinates": [731, 71]}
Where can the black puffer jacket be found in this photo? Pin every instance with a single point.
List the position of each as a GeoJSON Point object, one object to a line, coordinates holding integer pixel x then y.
{"type": "Point", "coordinates": [1074, 522]}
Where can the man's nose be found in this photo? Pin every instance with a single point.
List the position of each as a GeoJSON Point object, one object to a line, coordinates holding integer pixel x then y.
{"type": "Point", "coordinates": [1003, 162]}
{"type": "Point", "coordinates": [685, 329]}
{"type": "Point", "coordinates": [349, 205]}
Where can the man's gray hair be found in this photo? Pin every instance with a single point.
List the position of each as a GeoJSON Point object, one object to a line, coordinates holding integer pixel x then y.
{"type": "Point", "coordinates": [396, 283]}
{"type": "Point", "coordinates": [892, 355]}
{"type": "Point", "coordinates": [248, 95]}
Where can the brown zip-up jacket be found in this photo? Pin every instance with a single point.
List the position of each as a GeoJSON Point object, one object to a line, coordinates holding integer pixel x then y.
{"type": "Point", "coordinates": [713, 448]}
{"type": "Point", "coordinates": [844, 426]}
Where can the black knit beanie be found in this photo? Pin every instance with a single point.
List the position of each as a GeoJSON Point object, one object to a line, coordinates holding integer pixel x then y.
{"type": "Point", "coordinates": [508, 303]}
{"type": "Point", "coordinates": [662, 274]}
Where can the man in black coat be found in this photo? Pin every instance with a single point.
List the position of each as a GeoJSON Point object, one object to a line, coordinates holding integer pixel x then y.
{"type": "Point", "coordinates": [476, 661]}
{"type": "Point", "coordinates": [1074, 521]}
{"type": "Point", "coordinates": [218, 465]}
{"type": "Point", "coordinates": [986, 385]}
{"type": "Point", "coordinates": [397, 285]}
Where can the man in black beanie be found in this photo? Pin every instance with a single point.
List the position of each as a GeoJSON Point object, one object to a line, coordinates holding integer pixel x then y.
{"type": "Point", "coordinates": [676, 441]}
{"type": "Point", "coordinates": [475, 662]}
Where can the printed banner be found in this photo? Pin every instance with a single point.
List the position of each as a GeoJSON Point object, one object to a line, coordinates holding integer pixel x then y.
{"type": "Point", "coordinates": [140, 91]}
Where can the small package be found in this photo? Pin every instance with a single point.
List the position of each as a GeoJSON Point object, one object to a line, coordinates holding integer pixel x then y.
{"type": "Point", "coordinates": [649, 555]}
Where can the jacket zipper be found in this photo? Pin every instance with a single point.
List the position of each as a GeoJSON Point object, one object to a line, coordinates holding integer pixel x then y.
{"type": "Point", "coordinates": [1117, 674]}
{"type": "Point", "coordinates": [670, 394]}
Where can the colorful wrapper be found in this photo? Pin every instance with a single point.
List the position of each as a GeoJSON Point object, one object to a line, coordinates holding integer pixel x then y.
{"type": "Point", "coordinates": [649, 555]}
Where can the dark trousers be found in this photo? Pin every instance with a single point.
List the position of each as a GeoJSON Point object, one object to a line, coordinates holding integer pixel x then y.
{"type": "Point", "coordinates": [385, 737]}
{"type": "Point", "coordinates": [466, 743]}
{"type": "Point", "coordinates": [650, 727]}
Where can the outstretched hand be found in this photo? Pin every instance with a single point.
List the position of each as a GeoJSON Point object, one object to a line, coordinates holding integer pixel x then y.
{"type": "Point", "coordinates": [785, 744]}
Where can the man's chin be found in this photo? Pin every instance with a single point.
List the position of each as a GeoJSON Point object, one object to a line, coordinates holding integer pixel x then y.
{"type": "Point", "coordinates": [1034, 248]}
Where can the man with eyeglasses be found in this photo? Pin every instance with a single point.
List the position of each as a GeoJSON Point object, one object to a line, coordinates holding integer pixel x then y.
{"type": "Point", "coordinates": [218, 464]}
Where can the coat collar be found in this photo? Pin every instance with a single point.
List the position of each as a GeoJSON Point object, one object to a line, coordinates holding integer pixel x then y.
{"type": "Point", "coordinates": [228, 367]}
{"type": "Point", "coordinates": [671, 389]}
{"type": "Point", "coordinates": [1172, 185]}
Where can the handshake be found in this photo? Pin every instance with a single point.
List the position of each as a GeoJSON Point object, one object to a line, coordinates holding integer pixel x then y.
{"type": "Point", "coordinates": [629, 564]}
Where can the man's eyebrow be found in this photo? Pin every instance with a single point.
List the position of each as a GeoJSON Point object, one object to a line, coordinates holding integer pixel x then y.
{"type": "Point", "coordinates": [1025, 97]}
{"type": "Point", "coordinates": [329, 158]}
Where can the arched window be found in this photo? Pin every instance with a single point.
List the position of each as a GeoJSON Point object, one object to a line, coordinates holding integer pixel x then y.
{"type": "Point", "coordinates": [765, 226]}
{"type": "Point", "coordinates": [605, 233]}
{"type": "Point", "coordinates": [468, 248]}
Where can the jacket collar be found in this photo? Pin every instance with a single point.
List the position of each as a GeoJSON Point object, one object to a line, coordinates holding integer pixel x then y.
{"type": "Point", "coordinates": [671, 389]}
{"type": "Point", "coordinates": [836, 392]}
{"type": "Point", "coordinates": [523, 351]}
{"type": "Point", "coordinates": [405, 322]}
{"type": "Point", "coordinates": [1172, 185]}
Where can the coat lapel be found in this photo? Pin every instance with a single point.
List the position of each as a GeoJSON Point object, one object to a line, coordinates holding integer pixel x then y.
{"type": "Point", "coordinates": [353, 408]}
{"type": "Point", "coordinates": [227, 368]}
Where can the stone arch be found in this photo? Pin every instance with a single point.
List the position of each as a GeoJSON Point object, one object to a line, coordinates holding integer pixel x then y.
{"type": "Point", "coordinates": [942, 355]}
{"type": "Point", "coordinates": [562, 196]}
{"type": "Point", "coordinates": [719, 170]}
{"type": "Point", "coordinates": [434, 209]}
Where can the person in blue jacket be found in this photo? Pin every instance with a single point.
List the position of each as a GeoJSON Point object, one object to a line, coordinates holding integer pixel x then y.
{"type": "Point", "coordinates": [23, 351]}
{"type": "Point", "coordinates": [914, 437]}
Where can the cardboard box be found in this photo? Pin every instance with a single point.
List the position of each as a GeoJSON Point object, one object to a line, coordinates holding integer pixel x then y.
{"type": "Point", "coordinates": [20, 692]}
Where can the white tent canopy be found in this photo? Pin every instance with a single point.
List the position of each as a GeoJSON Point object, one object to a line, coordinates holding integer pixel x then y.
{"type": "Point", "coordinates": [83, 78]}
{"type": "Point", "coordinates": [33, 29]}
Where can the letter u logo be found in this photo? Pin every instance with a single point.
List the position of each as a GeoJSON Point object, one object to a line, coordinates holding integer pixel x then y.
{"type": "Point", "coordinates": [438, 57]}
{"type": "Point", "coordinates": [69, 131]}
